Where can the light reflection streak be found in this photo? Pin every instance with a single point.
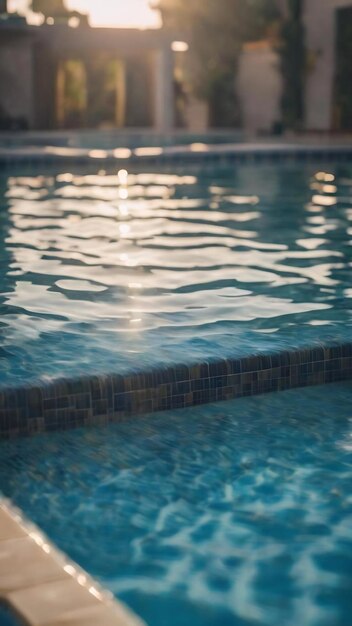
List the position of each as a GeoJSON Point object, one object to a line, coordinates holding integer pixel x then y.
{"type": "Point", "coordinates": [122, 176]}
{"type": "Point", "coordinates": [324, 200]}
{"type": "Point", "coordinates": [325, 177]}
{"type": "Point", "coordinates": [122, 153]}
{"type": "Point", "coordinates": [123, 193]}
{"type": "Point", "coordinates": [98, 154]}
{"type": "Point", "coordinates": [145, 152]}
{"type": "Point", "coordinates": [199, 147]}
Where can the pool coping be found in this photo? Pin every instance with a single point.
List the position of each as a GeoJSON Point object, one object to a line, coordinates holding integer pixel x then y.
{"type": "Point", "coordinates": [101, 399]}
{"type": "Point", "coordinates": [42, 587]}
{"type": "Point", "coordinates": [197, 153]}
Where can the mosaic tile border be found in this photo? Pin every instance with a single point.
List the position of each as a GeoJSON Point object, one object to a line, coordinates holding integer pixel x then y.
{"type": "Point", "coordinates": [95, 400]}
{"type": "Point", "coordinates": [225, 154]}
{"type": "Point", "coordinates": [40, 585]}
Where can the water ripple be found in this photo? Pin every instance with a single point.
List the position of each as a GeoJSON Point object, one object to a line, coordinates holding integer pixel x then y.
{"type": "Point", "coordinates": [191, 265]}
{"type": "Point", "coordinates": [233, 513]}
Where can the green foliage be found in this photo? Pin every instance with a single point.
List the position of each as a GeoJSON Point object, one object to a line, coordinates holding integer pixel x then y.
{"type": "Point", "coordinates": [50, 8]}
{"type": "Point", "coordinates": [216, 30]}
{"type": "Point", "coordinates": [293, 66]}
{"type": "Point", "coordinates": [56, 9]}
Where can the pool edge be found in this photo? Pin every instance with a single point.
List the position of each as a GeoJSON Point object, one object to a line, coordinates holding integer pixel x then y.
{"type": "Point", "coordinates": [208, 154]}
{"type": "Point", "coordinates": [40, 584]}
{"type": "Point", "coordinates": [96, 400]}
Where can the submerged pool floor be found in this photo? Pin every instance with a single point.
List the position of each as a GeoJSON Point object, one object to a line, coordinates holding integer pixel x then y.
{"type": "Point", "coordinates": [230, 514]}
{"type": "Point", "coordinates": [106, 271]}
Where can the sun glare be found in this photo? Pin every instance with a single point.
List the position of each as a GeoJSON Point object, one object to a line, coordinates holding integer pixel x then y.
{"type": "Point", "coordinates": [105, 13]}
{"type": "Point", "coordinates": [130, 13]}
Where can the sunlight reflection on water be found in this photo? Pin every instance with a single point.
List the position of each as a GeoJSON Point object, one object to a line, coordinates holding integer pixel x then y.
{"type": "Point", "coordinates": [219, 260]}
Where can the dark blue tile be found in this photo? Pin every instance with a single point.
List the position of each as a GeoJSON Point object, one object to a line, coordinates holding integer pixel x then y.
{"type": "Point", "coordinates": [120, 401]}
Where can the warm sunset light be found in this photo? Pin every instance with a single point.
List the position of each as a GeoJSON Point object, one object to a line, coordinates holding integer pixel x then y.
{"type": "Point", "coordinates": [122, 13]}
{"type": "Point", "coordinates": [108, 13]}
{"type": "Point", "coordinates": [179, 46]}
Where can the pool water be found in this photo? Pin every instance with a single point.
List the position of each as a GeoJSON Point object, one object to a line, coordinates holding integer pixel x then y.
{"type": "Point", "coordinates": [107, 271]}
{"type": "Point", "coordinates": [231, 514]}
{"type": "Point", "coordinates": [7, 618]}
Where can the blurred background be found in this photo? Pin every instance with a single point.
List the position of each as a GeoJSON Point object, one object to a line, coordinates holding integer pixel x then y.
{"type": "Point", "coordinates": [260, 68]}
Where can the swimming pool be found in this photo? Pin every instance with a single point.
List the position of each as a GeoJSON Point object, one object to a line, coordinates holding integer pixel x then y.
{"type": "Point", "coordinates": [230, 514]}
{"type": "Point", "coordinates": [165, 283]}
{"type": "Point", "coordinates": [114, 272]}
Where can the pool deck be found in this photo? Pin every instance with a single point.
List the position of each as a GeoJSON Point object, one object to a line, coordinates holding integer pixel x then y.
{"type": "Point", "coordinates": [42, 587]}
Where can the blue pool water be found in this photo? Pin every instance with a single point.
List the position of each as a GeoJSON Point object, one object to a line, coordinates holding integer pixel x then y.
{"type": "Point", "coordinates": [232, 514]}
{"type": "Point", "coordinates": [104, 272]}
{"type": "Point", "coordinates": [7, 619]}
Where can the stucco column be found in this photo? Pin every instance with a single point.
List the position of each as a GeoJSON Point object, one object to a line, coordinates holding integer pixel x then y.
{"type": "Point", "coordinates": [319, 24]}
{"type": "Point", "coordinates": [164, 90]}
{"type": "Point", "coordinates": [120, 78]}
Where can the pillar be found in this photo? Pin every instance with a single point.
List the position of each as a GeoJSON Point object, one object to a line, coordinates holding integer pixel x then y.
{"type": "Point", "coordinates": [319, 22]}
{"type": "Point", "coordinates": [121, 95]}
{"type": "Point", "coordinates": [164, 90]}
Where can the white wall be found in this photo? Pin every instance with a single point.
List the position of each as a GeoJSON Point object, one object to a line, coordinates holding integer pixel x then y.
{"type": "Point", "coordinates": [259, 87]}
{"type": "Point", "coordinates": [164, 90]}
{"type": "Point", "coordinates": [319, 21]}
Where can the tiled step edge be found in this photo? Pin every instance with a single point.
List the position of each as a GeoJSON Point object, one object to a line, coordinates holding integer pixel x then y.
{"type": "Point", "coordinates": [42, 587]}
{"type": "Point", "coordinates": [95, 400]}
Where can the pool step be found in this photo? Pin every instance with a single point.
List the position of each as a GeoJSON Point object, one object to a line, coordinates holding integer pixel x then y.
{"type": "Point", "coordinates": [95, 400]}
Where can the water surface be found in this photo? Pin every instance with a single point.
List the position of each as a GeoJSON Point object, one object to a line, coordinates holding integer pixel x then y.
{"type": "Point", "coordinates": [231, 514]}
{"type": "Point", "coordinates": [106, 271]}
